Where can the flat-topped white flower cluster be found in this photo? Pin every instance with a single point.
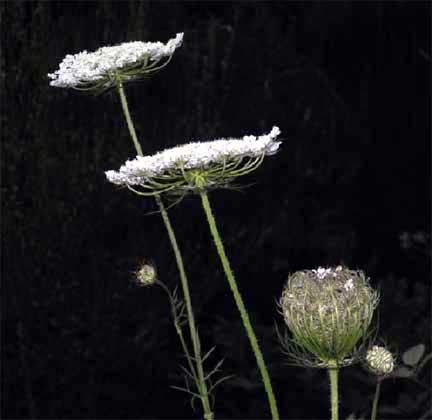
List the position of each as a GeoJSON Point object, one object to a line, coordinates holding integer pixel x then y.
{"type": "Point", "coordinates": [196, 155]}
{"type": "Point", "coordinates": [90, 67]}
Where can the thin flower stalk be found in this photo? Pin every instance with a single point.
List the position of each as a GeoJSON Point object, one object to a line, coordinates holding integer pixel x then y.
{"type": "Point", "coordinates": [376, 399]}
{"type": "Point", "coordinates": [334, 391]}
{"type": "Point", "coordinates": [199, 375]}
{"type": "Point", "coordinates": [240, 304]}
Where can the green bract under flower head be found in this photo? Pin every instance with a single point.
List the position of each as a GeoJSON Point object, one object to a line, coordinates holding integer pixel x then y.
{"type": "Point", "coordinates": [104, 67]}
{"type": "Point", "coordinates": [195, 166]}
{"type": "Point", "coordinates": [328, 311]}
{"type": "Point", "coordinates": [380, 361]}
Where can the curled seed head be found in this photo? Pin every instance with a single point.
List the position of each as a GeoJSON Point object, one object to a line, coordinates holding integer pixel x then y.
{"type": "Point", "coordinates": [329, 310]}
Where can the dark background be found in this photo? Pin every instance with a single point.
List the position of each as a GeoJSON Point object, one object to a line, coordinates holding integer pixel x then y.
{"type": "Point", "coordinates": [347, 82]}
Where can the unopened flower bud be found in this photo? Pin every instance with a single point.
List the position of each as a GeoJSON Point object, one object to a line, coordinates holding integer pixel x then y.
{"type": "Point", "coordinates": [380, 361]}
{"type": "Point", "coordinates": [146, 275]}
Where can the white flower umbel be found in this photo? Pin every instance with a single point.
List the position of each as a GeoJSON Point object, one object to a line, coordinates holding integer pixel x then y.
{"type": "Point", "coordinates": [198, 165]}
{"type": "Point", "coordinates": [125, 62]}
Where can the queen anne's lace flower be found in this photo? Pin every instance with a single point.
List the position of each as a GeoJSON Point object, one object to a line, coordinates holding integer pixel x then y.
{"type": "Point", "coordinates": [329, 311]}
{"type": "Point", "coordinates": [216, 161]}
{"type": "Point", "coordinates": [89, 68]}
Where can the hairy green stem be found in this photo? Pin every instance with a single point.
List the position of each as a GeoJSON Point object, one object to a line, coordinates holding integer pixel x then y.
{"type": "Point", "coordinates": [334, 392]}
{"type": "Point", "coordinates": [179, 260]}
{"type": "Point", "coordinates": [240, 304]}
{"type": "Point", "coordinates": [375, 400]}
{"type": "Point", "coordinates": [193, 332]}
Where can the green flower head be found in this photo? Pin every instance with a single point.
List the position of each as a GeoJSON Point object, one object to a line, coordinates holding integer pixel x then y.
{"type": "Point", "coordinates": [328, 311]}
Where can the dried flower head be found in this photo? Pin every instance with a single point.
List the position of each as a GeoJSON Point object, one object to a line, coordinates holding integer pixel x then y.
{"type": "Point", "coordinates": [328, 311]}
{"type": "Point", "coordinates": [146, 275]}
{"type": "Point", "coordinates": [100, 69]}
{"type": "Point", "coordinates": [196, 166]}
{"type": "Point", "coordinates": [380, 361]}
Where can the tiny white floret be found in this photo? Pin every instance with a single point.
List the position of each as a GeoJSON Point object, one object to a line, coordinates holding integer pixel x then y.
{"type": "Point", "coordinates": [322, 272]}
{"type": "Point", "coordinates": [349, 284]}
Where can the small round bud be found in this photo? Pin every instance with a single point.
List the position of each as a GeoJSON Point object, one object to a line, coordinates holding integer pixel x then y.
{"type": "Point", "coordinates": [146, 275]}
{"type": "Point", "coordinates": [380, 361]}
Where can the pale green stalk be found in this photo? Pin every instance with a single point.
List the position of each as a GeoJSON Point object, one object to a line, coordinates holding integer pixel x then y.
{"type": "Point", "coordinates": [334, 392]}
{"type": "Point", "coordinates": [375, 400]}
{"type": "Point", "coordinates": [240, 305]}
{"type": "Point", "coordinates": [129, 122]}
{"type": "Point", "coordinates": [184, 282]}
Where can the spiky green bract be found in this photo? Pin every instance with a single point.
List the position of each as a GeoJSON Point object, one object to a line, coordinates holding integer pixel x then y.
{"type": "Point", "coordinates": [124, 75]}
{"type": "Point", "coordinates": [328, 311]}
{"type": "Point", "coordinates": [179, 181]}
{"type": "Point", "coordinates": [195, 376]}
